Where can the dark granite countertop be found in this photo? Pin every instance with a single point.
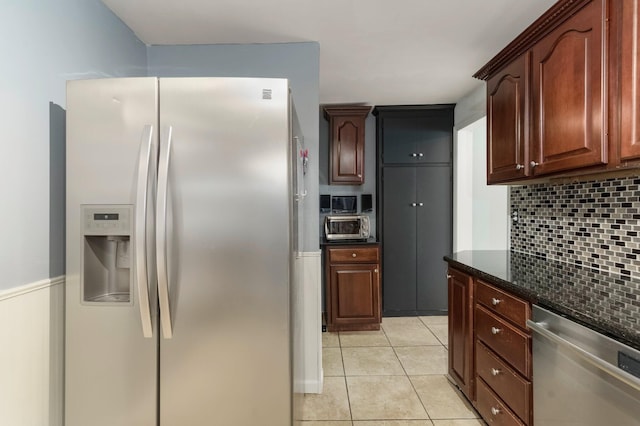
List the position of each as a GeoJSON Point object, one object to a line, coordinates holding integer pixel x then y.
{"type": "Point", "coordinates": [607, 303]}
{"type": "Point", "coordinates": [324, 242]}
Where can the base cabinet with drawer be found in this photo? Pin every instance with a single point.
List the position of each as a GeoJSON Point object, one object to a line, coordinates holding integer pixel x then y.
{"type": "Point", "coordinates": [503, 356]}
{"type": "Point", "coordinates": [499, 345]}
{"type": "Point", "coordinates": [352, 287]}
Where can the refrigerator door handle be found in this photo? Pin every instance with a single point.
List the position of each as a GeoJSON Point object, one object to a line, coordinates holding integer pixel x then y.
{"type": "Point", "coordinates": [141, 230]}
{"type": "Point", "coordinates": [161, 236]}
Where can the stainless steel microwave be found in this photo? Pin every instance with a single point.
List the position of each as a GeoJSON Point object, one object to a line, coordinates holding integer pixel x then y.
{"type": "Point", "coordinates": [346, 227]}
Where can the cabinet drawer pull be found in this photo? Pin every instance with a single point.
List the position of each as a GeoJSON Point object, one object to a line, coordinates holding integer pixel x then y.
{"type": "Point", "coordinates": [495, 411]}
{"type": "Point", "coordinates": [495, 371]}
{"type": "Point", "coordinates": [353, 255]}
{"type": "Point", "coordinates": [495, 301]}
{"type": "Point", "coordinates": [495, 330]}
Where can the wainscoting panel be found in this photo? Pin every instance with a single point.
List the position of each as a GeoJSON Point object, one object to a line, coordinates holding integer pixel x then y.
{"type": "Point", "coordinates": [31, 354]}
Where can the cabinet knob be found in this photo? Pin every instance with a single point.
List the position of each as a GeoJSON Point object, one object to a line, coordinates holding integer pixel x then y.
{"type": "Point", "coordinates": [413, 155]}
{"type": "Point", "coordinates": [375, 270]}
{"type": "Point", "coordinates": [495, 411]}
{"type": "Point", "coordinates": [359, 176]}
{"type": "Point", "coordinates": [495, 372]}
{"type": "Point", "coordinates": [353, 255]}
{"type": "Point", "coordinates": [413, 204]}
{"type": "Point", "coordinates": [495, 301]}
{"type": "Point", "coordinates": [420, 204]}
{"type": "Point", "coordinates": [533, 164]}
{"type": "Point", "coordinates": [519, 166]}
{"type": "Point", "coordinates": [495, 330]}
{"type": "Point", "coordinates": [420, 154]}
{"type": "Point", "coordinates": [449, 276]}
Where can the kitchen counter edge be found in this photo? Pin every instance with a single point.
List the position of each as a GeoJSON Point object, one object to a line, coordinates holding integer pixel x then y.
{"type": "Point", "coordinates": [536, 298]}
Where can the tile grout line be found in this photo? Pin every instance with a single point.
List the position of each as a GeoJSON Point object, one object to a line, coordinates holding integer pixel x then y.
{"type": "Point", "coordinates": [409, 377]}
{"type": "Point", "coordinates": [344, 372]}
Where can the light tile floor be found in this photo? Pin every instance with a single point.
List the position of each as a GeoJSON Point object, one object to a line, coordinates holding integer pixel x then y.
{"type": "Point", "coordinates": [392, 377]}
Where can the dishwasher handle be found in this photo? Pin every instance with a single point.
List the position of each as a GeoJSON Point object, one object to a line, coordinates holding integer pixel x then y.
{"type": "Point", "coordinates": [623, 376]}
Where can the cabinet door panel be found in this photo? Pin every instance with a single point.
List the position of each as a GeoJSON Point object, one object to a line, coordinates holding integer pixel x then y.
{"type": "Point", "coordinates": [435, 139]}
{"type": "Point", "coordinates": [354, 293]}
{"type": "Point", "coordinates": [399, 248]}
{"type": "Point", "coordinates": [418, 139]}
{"type": "Point", "coordinates": [399, 141]}
{"type": "Point", "coordinates": [506, 125]}
{"type": "Point", "coordinates": [348, 150]}
{"type": "Point", "coordinates": [433, 235]}
{"type": "Point", "coordinates": [568, 108]}
{"type": "Point", "coordinates": [460, 288]}
{"type": "Point", "coordinates": [630, 81]}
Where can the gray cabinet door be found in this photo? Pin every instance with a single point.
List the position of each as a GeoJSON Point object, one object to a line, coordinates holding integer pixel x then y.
{"type": "Point", "coordinates": [399, 140]}
{"type": "Point", "coordinates": [417, 139]}
{"type": "Point", "coordinates": [399, 248]}
{"type": "Point", "coordinates": [434, 230]}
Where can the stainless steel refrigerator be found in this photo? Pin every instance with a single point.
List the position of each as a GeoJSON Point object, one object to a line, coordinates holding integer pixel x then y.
{"type": "Point", "coordinates": [181, 200]}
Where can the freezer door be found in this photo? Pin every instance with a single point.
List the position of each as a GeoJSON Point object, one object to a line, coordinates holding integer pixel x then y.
{"type": "Point", "coordinates": [110, 368]}
{"type": "Point", "coordinates": [225, 355]}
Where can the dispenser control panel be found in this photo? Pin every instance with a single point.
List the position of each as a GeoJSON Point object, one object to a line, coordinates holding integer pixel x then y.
{"type": "Point", "coordinates": [107, 219]}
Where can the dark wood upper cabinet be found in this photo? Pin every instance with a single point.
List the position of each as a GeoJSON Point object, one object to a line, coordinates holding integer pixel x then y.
{"type": "Point", "coordinates": [569, 109]}
{"type": "Point", "coordinates": [577, 101]}
{"type": "Point", "coordinates": [630, 81]}
{"type": "Point", "coordinates": [346, 143]}
{"type": "Point", "coordinates": [507, 138]}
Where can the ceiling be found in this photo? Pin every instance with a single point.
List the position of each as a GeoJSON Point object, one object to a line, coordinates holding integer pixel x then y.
{"type": "Point", "coordinates": [378, 52]}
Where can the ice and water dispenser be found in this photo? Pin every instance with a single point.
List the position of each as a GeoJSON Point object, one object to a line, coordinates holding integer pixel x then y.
{"type": "Point", "coordinates": [107, 254]}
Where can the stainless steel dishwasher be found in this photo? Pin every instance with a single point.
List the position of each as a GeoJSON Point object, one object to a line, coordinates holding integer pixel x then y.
{"type": "Point", "coordinates": [581, 377]}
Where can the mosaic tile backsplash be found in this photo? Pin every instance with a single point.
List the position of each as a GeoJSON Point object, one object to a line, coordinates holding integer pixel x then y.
{"type": "Point", "coordinates": [595, 224]}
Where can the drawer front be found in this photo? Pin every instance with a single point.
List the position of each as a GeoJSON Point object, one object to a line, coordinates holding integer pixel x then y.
{"type": "Point", "coordinates": [492, 409]}
{"type": "Point", "coordinates": [504, 339]}
{"type": "Point", "coordinates": [353, 255]}
{"type": "Point", "coordinates": [512, 308]}
{"type": "Point", "coordinates": [504, 381]}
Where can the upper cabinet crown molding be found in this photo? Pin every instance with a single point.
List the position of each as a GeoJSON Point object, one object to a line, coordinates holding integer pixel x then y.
{"type": "Point", "coordinates": [553, 17]}
{"type": "Point", "coordinates": [563, 98]}
{"type": "Point", "coordinates": [346, 143]}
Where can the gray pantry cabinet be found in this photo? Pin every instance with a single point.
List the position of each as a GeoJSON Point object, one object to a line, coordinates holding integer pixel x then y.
{"type": "Point", "coordinates": [415, 206]}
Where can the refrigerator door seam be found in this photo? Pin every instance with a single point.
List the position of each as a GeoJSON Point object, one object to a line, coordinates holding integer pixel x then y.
{"type": "Point", "coordinates": [161, 237]}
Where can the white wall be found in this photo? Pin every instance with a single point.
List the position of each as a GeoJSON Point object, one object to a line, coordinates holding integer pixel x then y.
{"type": "Point", "coordinates": [481, 211]}
{"type": "Point", "coordinates": [44, 43]}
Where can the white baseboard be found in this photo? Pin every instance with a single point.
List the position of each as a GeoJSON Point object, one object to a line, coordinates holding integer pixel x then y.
{"type": "Point", "coordinates": [31, 359]}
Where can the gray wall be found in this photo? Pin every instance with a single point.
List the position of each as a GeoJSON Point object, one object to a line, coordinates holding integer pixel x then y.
{"type": "Point", "coordinates": [369, 186]}
{"type": "Point", "coordinates": [472, 107]}
{"type": "Point", "coordinates": [299, 62]}
{"type": "Point", "coordinates": [43, 44]}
